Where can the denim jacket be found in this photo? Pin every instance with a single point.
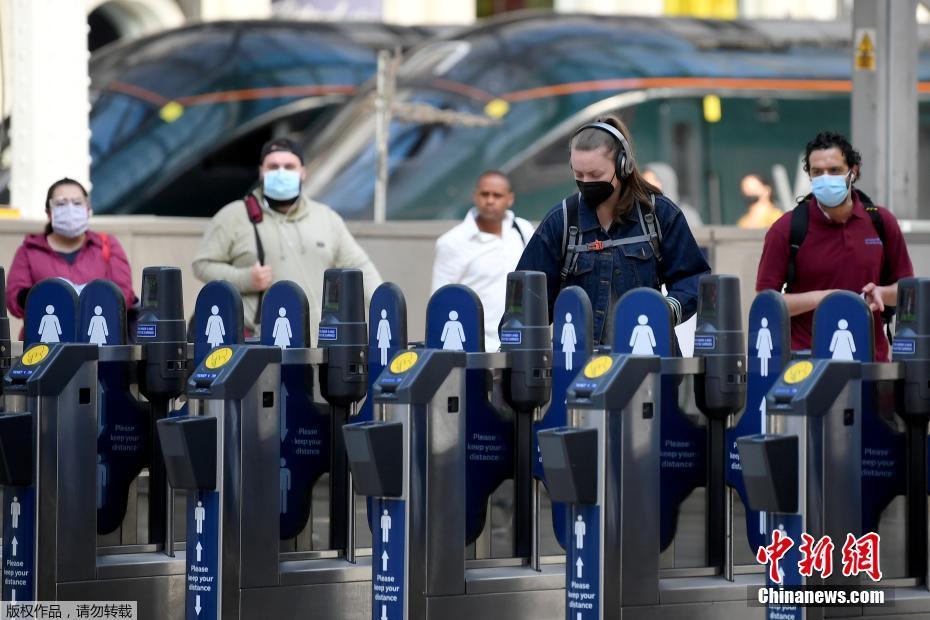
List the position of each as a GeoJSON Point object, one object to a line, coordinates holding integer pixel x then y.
{"type": "Point", "coordinates": [609, 273]}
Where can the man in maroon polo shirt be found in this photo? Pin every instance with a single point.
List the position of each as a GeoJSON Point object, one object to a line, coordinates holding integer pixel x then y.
{"type": "Point", "coordinates": [842, 249]}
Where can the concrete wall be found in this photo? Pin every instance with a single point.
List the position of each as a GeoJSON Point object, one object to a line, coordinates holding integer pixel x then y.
{"type": "Point", "coordinates": [403, 252]}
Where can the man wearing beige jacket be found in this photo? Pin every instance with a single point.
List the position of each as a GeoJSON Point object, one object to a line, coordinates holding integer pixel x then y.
{"type": "Point", "coordinates": [297, 238]}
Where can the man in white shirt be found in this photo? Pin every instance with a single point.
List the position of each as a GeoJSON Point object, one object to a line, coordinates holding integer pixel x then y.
{"type": "Point", "coordinates": [483, 249]}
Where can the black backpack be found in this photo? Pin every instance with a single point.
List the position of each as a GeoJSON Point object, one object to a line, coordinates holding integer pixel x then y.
{"type": "Point", "coordinates": [571, 235]}
{"type": "Point", "coordinates": [799, 218]}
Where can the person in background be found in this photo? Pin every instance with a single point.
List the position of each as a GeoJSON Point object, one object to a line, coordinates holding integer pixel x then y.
{"type": "Point", "coordinates": [67, 249]}
{"type": "Point", "coordinates": [849, 244]}
{"type": "Point", "coordinates": [616, 234]}
{"type": "Point", "coordinates": [483, 249]}
{"type": "Point", "coordinates": [665, 179]}
{"type": "Point", "coordinates": [758, 191]}
{"type": "Point", "coordinates": [275, 233]}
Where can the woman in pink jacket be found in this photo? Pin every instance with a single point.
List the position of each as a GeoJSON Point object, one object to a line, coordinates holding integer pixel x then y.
{"type": "Point", "coordinates": [67, 249]}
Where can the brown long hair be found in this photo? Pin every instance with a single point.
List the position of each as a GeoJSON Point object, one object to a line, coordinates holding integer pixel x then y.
{"type": "Point", "coordinates": [634, 188]}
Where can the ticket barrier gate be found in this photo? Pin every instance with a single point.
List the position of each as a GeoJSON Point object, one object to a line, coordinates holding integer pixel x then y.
{"type": "Point", "coordinates": [411, 459]}
{"type": "Point", "coordinates": [50, 444]}
{"type": "Point", "coordinates": [808, 471]}
{"type": "Point", "coordinates": [227, 453]}
{"type": "Point", "coordinates": [911, 349]}
{"type": "Point", "coordinates": [605, 465]}
{"type": "Point", "coordinates": [809, 461]}
{"type": "Point", "coordinates": [612, 403]}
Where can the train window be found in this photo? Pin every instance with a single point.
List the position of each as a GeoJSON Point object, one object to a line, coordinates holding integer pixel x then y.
{"type": "Point", "coordinates": [116, 117]}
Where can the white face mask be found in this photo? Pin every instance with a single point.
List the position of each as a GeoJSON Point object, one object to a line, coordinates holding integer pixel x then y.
{"type": "Point", "coordinates": [69, 220]}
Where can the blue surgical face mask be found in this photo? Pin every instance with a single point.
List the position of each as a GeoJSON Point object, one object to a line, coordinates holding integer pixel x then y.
{"type": "Point", "coordinates": [830, 190]}
{"type": "Point", "coordinates": [281, 184]}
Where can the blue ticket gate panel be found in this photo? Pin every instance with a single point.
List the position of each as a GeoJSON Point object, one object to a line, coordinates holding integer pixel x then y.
{"type": "Point", "coordinates": [643, 326]}
{"type": "Point", "coordinates": [51, 313]}
{"type": "Point", "coordinates": [572, 344]}
{"type": "Point", "coordinates": [455, 322]}
{"type": "Point", "coordinates": [387, 334]}
{"type": "Point", "coordinates": [123, 424]}
{"type": "Point", "coordinates": [769, 349]}
{"type": "Point", "coordinates": [304, 425]}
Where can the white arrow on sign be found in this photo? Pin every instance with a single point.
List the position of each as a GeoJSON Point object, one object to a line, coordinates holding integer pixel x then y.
{"type": "Point", "coordinates": [13, 597]}
{"type": "Point", "coordinates": [384, 612]}
{"type": "Point", "coordinates": [197, 606]}
{"type": "Point", "coordinates": [579, 565]}
{"type": "Point", "coordinates": [384, 559]}
{"type": "Point", "coordinates": [15, 543]}
{"type": "Point", "coordinates": [199, 548]}
{"type": "Point", "coordinates": [578, 616]}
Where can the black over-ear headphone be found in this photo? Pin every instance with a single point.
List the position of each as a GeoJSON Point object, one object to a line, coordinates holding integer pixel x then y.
{"type": "Point", "coordinates": [624, 164]}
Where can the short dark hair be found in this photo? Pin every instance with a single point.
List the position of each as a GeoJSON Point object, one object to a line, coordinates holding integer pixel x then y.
{"type": "Point", "coordinates": [59, 183]}
{"type": "Point", "coordinates": [828, 140]}
{"type": "Point", "coordinates": [494, 173]}
{"type": "Point", "coordinates": [281, 144]}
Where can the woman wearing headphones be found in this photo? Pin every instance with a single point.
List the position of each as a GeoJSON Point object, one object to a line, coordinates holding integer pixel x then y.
{"type": "Point", "coordinates": [616, 234]}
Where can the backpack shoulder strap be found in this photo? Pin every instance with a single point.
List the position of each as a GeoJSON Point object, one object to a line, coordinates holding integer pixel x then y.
{"type": "Point", "coordinates": [571, 237]}
{"type": "Point", "coordinates": [884, 277]}
{"type": "Point", "coordinates": [651, 227]}
{"type": "Point", "coordinates": [795, 238]}
{"type": "Point", "coordinates": [875, 214]}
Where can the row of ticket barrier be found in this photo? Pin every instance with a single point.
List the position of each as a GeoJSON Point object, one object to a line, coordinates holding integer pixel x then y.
{"type": "Point", "coordinates": [373, 479]}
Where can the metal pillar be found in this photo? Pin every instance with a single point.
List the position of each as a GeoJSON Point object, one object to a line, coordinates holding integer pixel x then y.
{"type": "Point", "coordinates": [884, 102]}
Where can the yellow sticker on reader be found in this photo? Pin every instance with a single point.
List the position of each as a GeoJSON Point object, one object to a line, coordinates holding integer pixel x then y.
{"type": "Point", "coordinates": [404, 362]}
{"type": "Point", "coordinates": [218, 358]}
{"type": "Point", "coordinates": [598, 366]}
{"type": "Point", "coordinates": [799, 371]}
{"type": "Point", "coordinates": [35, 355]}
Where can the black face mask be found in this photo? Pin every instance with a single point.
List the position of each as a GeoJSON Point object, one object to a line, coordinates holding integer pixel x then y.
{"type": "Point", "coordinates": [751, 199]}
{"type": "Point", "coordinates": [595, 192]}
